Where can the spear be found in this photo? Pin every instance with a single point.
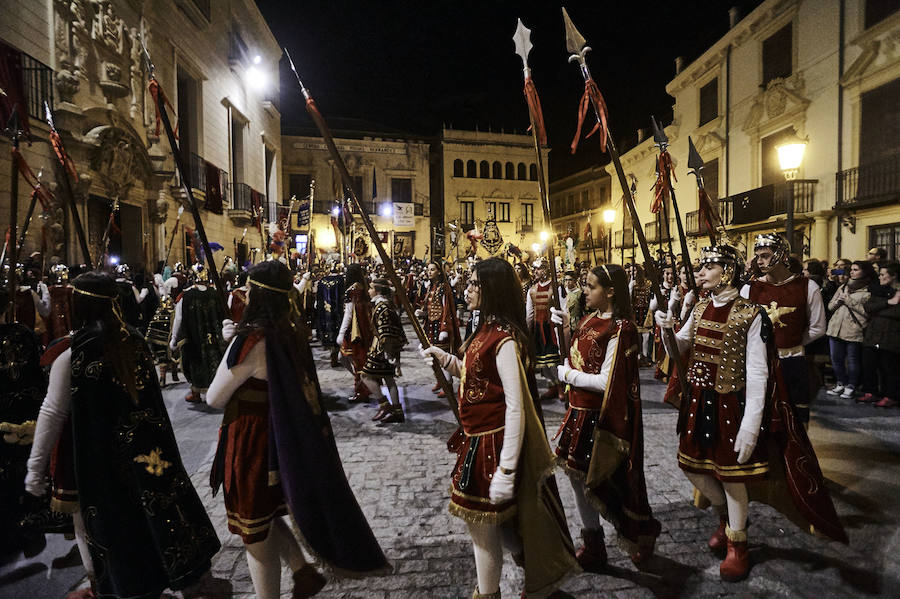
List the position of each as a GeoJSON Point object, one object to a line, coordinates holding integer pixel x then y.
{"type": "Point", "coordinates": [104, 241]}
{"type": "Point", "coordinates": [522, 39]}
{"type": "Point", "coordinates": [14, 130]}
{"type": "Point", "coordinates": [174, 232]}
{"type": "Point", "coordinates": [706, 214]}
{"type": "Point", "coordinates": [665, 172]}
{"type": "Point", "coordinates": [184, 175]}
{"type": "Point", "coordinates": [338, 161]}
{"type": "Point", "coordinates": [578, 48]}
{"type": "Point", "coordinates": [64, 167]}
{"type": "Point", "coordinates": [309, 231]}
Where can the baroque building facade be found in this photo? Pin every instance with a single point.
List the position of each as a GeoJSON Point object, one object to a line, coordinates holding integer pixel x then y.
{"type": "Point", "coordinates": [485, 177]}
{"type": "Point", "coordinates": [391, 177]}
{"type": "Point", "coordinates": [823, 70]}
{"type": "Point", "coordinates": [217, 63]}
{"type": "Point", "coordinates": [577, 206]}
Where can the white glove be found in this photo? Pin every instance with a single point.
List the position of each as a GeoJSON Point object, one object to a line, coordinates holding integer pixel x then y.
{"type": "Point", "coordinates": [339, 340]}
{"type": "Point", "coordinates": [305, 276]}
{"type": "Point", "coordinates": [443, 335]}
{"type": "Point", "coordinates": [431, 354]}
{"type": "Point", "coordinates": [36, 484]}
{"type": "Point", "coordinates": [228, 329]}
{"type": "Point", "coordinates": [563, 370]}
{"type": "Point", "coordinates": [503, 487]}
{"type": "Point", "coordinates": [173, 345]}
{"type": "Point", "coordinates": [420, 313]}
{"type": "Point", "coordinates": [665, 320]}
{"type": "Point", "coordinates": [558, 317]}
{"type": "Point", "coordinates": [744, 445]}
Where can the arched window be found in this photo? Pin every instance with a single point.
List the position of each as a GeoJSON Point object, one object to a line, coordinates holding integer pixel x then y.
{"type": "Point", "coordinates": [532, 172]}
{"type": "Point", "coordinates": [497, 170]}
{"type": "Point", "coordinates": [471, 169]}
{"type": "Point", "coordinates": [510, 171]}
{"type": "Point", "coordinates": [522, 173]}
{"type": "Point", "coordinates": [457, 168]}
{"type": "Point", "coordinates": [485, 169]}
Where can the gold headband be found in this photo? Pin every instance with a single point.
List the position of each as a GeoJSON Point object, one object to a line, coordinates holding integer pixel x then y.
{"type": "Point", "coordinates": [269, 287]}
{"type": "Point", "coordinates": [608, 276]}
{"type": "Point", "coordinates": [97, 295]}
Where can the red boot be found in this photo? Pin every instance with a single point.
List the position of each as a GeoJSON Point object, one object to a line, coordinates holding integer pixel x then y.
{"type": "Point", "coordinates": [718, 542]}
{"type": "Point", "coordinates": [592, 555]}
{"type": "Point", "coordinates": [384, 408]}
{"type": "Point", "coordinates": [737, 560]}
{"type": "Point", "coordinates": [552, 392]}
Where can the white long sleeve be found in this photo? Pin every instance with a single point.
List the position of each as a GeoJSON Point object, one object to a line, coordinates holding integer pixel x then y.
{"type": "Point", "coordinates": [42, 300]}
{"type": "Point", "coordinates": [53, 413]}
{"type": "Point", "coordinates": [529, 311]}
{"type": "Point", "coordinates": [757, 376]}
{"type": "Point", "coordinates": [141, 295]}
{"type": "Point", "coordinates": [508, 367]}
{"type": "Point", "coordinates": [348, 318]}
{"type": "Point", "coordinates": [815, 313]}
{"type": "Point", "coordinates": [227, 380]}
{"type": "Point", "coordinates": [176, 323]}
{"type": "Point", "coordinates": [595, 382]}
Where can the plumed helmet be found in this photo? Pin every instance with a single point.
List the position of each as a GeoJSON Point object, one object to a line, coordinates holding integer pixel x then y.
{"type": "Point", "coordinates": [122, 271]}
{"type": "Point", "coordinates": [60, 272]}
{"type": "Point", "coordinates": [774, 242]}
{"type": "Point", "coordinates": [199, 274]}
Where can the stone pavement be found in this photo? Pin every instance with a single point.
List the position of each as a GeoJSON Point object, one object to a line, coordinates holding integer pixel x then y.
{"type": "Point", "coordinates": [400, 476]}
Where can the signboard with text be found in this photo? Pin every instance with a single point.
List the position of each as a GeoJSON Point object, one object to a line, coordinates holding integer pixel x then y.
{"type": "Point", "coordinates": [404, 214]}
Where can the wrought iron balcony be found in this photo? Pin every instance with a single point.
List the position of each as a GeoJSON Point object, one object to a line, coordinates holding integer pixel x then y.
{"type": "Point", "coordinates": [241, 194]}
{"type": "Point", "coordinates": [693, 225]}
{"type": "Point", "coordinates": [767, 201]}
{"type": "Point", "coordinates": [629, 238]}
{"type": "Point", "coordinates": [869, 184]}
{"type": "Point", "coordinates": [804, 191]}
{"type": "Point", "coordinates": [38, 79]}
{"type": "Point", "coordinates": [651, 231]}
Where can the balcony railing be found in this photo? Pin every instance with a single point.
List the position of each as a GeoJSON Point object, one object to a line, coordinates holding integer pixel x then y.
{"type": "Point", "coordinates": [418, 209]}
{"type": "Point", "coordinates": [804, 191]}
{"type": "Point", "coordinates": [629, 238]}
{"type": "Point", "coordinates": [38, 79]}
{"type": "Point", "coordinates": [197, 170]}
{"type": "Point", "coordinates": [693, 225]}
{"type": "Point", "coordinates": [869, 184]}
{"type": "Point", "coordinates": [651, 231]}
{"type": "Point", "coordinates": [241, 197]}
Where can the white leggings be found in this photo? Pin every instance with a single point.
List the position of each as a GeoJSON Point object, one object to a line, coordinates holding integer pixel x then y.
{"type": "Point", "coordinates": [590, 518]}
{"type": "Point", "coordinates": [264, 559]}
{"type": "Point", "coordinates": [720, 494]}
{"type": "Point", "coordinates": [375, 389]}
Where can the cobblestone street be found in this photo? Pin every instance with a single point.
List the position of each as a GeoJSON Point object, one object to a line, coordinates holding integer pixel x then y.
{"type": "Point", "coordinates": [400, 472]}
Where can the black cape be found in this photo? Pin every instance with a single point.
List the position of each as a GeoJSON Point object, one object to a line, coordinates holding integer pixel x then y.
{"type": "Point", "coordinates": [201, 331]}
{"type": "Point", "coordinates": [146, 527]}
{"type": "Point", "coordinates": [303, 450]}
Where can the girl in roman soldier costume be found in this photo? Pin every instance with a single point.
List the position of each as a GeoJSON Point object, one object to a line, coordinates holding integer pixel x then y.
{"type": "Point", "coordinates": [740, 437]}
{"type": "Point", "coordinates": [276, 454]}
{"type": "Point", "coordinates": [139, 523]}
{"type": "Point", "coordinates": [355, 335]}
{"type": "Point", "coordinates": [383, 359]}
{"type": "Point", "coordinates": [640, 290]}
{"type": "Point", "coordinates": [500, 483]}
{"type": "Point", "coordinates": [601, 440]}
{"type": "Point", "coordinates": [663, 368]}
{"type": "Point", "coordinates": [438, 314]}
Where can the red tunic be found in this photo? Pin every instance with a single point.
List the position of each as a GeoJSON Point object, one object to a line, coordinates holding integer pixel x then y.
{"type": "Point", "coordinates": [238, 304]}
{"type": "Point", "coordinates": [716, 372]}
{"type": "Point", "coordinates": [253, 495]}
{"type": "Point", "coordinates": [440, 317]}
{"type": "Point", "coordinates": [482, 412]}
{"type": "Point", "coordinates": [785, 303]}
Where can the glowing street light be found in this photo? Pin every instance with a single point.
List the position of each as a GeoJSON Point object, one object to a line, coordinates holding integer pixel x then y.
{"type": "Point", "coordinates": [255, 76]}
{"type": "Point", "coordinates": [335, 211]}
{"type": "Point", "coordinates": [544, 236]}
{"type": "Point", "coordinates": [386, 210]}
{"type": "Point", "coordinates": [609, 216]}
{"type": "Point", "coordinates": [536, 248]}
{"type": "Point", "coordinates": [790, 157]}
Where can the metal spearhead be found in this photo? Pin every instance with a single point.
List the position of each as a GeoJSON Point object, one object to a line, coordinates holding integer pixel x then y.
{"type": "Point", "coordinates": [146, 55]}
{"type": "Point", "coordinates": [48, 116]}
{"type": "Point", "coordinates": [694, 161]}
{"type": "Point", "coordinates": [659, 136]}
{"type": "Point", "coordinates": [303, 89]}
{"type": "Point", "coordinates": [576, 45]}
{"type": "Point", "coordinates": [522, 39]}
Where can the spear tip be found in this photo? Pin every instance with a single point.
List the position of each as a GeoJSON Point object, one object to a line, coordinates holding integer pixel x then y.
{"type": "Point", "coordinates": [659, 135]}
{"type": "Point", "coordinates": [575, 42]}
{"type": "Point", "coordinates": [694, 160]}
{"type": "Point", "coordinates": [522, 39]}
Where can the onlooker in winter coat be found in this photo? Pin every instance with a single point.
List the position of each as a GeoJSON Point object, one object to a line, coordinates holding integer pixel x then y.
{"type": "Point", "coordinates": [881, 343]}
{"type": "Point", "coordinates": [847, 326]}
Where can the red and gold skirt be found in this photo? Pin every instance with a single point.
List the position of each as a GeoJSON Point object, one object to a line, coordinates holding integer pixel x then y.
{"type": "Point", "coordinates": [707, 443]}
{"type": "Point", "coordinates": [478, 456]}
{"type": "Point", "coordinates": [576, 439]}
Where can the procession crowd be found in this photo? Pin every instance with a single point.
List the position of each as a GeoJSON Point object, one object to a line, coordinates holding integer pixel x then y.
{"type": "Point", "coordinates": [743, 345]}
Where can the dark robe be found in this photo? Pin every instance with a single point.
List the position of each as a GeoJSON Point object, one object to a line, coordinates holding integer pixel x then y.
{"type": "Point", "coordinates": [329, 308]}
{"type": "Point", "coordinates": [131, 310]}
{"type": "Point", "coordinates": [201, 332]}
{"type": "Point", "coordinates": [146, 527]}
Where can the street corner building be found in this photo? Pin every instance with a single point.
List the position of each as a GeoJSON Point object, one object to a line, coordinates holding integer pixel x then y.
{"type": "Point", "coordinates": [216, 63]}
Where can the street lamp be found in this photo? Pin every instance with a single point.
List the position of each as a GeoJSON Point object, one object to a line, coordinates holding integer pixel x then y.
{"type": "Point", "coordinates": [609, 217]}
{"type": "Point", "coordinates": [790, 157]}
{"type": "Point", "coordinates": [544, 236]}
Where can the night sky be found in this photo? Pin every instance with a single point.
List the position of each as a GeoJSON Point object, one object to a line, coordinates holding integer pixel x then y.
{"type": "Point", "coordinates": [413, 66]}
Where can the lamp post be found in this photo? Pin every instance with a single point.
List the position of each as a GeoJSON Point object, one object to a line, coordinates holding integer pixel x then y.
{"type": "Point", "coordinates": [609, 217]}
{"type": "Point", "coordinates": [790, 157]}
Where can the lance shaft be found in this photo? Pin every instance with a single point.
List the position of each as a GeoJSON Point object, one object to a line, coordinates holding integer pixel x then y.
{"type": "Point", "coordinates": [172, 240]}
{"type": "Point", "coordinates": [685, 257]}
{"type": "Point", "coordinates": [27, 222]}
{"type": "Point", "coordinates": [551, 254]}
{"type": "Point", "coordinates": [11, 283]}
{"type": "Point", "coordinates": [385, 259]}
{"type": "Point", "coordinates": [185, 183]}
{"type": "Point", "coordinates": [649, 264]}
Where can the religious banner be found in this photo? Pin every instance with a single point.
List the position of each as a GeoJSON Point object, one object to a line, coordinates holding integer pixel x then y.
{"type": "Point", "coordinates": [404, 243]}
{"type": "Point", "coordinates": [303, 215]}
{"type": "Point", "coordinates": [360, 247]}
{"type": "Point", "coordinates": [404, 214]}
{"type": "Point", "coordinates": [492, 240]}
{"type": "Point", "coordinates": [383, 237]}
{"type": "Point", "coordinates": [752, 206]}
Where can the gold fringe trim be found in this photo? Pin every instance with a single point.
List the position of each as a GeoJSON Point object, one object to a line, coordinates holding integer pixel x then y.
{"type": "Point", "coordinates": [490, 432]}
{"type": "Point", "coordinates": [724, 471]}
{"type": "Point", "coordinates": [480, 517]}
{"type": "Point", "coordinates": [735, 536]}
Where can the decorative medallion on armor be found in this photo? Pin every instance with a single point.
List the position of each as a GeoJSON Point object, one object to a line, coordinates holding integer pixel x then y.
{"type": "Point", "coordinates": [785, 305]}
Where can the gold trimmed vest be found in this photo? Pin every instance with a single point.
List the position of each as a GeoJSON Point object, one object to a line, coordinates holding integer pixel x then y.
{"type": "Point", "coordinates": [587, 353]}
{"type": "Point", "coordinates": [482, 403]}
{"type": "Point", "coordinates": [718, 355]}
{"type": "Point", "coordinates": [785, 305]}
